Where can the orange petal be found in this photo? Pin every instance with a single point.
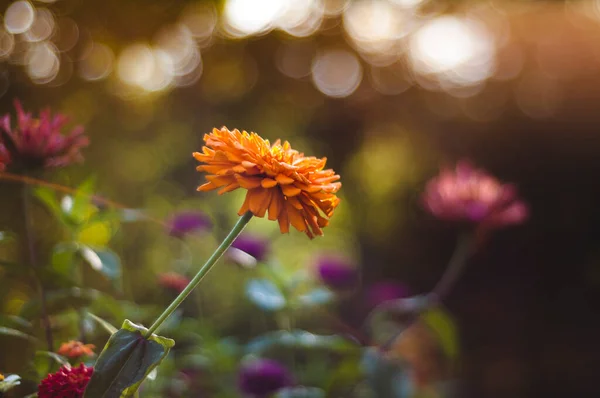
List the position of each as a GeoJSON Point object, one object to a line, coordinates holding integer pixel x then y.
{"type": "Point", "coordinates": [276, 206]}
{"type": "Point", "coordinates": [294, 202]}
{"type": "Point", "coordinates": [239, 169]}
{"type": "Point", "coordinates": [245, 206]}
{"type": "Point", "coordinates": [260, 198]}
{"type": "Point", "coordinates": [206, 187]}
{"type": "Point", "coordinates": [296, 218]}
{"type": "Point", "coordinates": [290, 190]}
{"type": "Point", "coordinates": [284, 221]}
{"type": "Point", "coordinates": [220, 181]}
{"type": "Point", "coordinates": [229, 188]}
{"type": "Point", "coordinates": [248, 182]}
{"type": "Point", "coordinates": [268, 183]}
{"type": "Point", "coordinates": [283, 179]}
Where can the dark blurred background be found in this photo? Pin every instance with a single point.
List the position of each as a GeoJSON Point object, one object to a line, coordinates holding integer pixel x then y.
{"type": "Point", "coordinates": [389, 90]}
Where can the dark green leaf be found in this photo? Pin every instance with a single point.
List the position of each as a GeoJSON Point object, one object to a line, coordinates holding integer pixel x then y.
{"type": "Point", "coordinates": [60, 300]}
{"type": "Point", "coordinates": [265, 294]}
{"type": "Point", "coordinates": [126, 361]}
{"type": "Point", "coordinates": [46, 362]}
{"type": "Point", "coordinates": [300, 392]}
{"type": "Point", "coordinates": [9, 382]}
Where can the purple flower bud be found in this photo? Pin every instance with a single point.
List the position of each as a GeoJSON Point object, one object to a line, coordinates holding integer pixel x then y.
{"type": "Point", "coordinates": [336, 272]}
{"type": "Point", "coordinates": [380, 292]}
{"type": "Point", "coordinates": [187, 222]}
{"type": "Point", "coordinates": [253, 245]}
{"type": "Point", "coordinates": [263, 377]}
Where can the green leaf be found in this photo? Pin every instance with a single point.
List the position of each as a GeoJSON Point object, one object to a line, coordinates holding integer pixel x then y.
{"type": "Point", "coordinates": [300, 392]}
{"type": "Point", "coordinates": [16, 333]}
{"type": "Point", "coordinates": [127, 359]}
{"type": "Point", "coordinates": [104, 261]}
{"type": "Point", "coordinates": [60, 300]}
{"type": "Point", "coordinates": [265, 294]}
{"type": "Point", "coordinates": [44, 367]}
{"type": "Point", "coordinates": [80, 208]}
{"type": "Point", "coordinates": [107, 326]}
{"type": "Point", "coordinates": [317, 296]}
{"type": "Point", "coordinates": [62, 260]}
{"type": "Point", "coordinates": [6, 237]}
{"type": "Point", "coordinates": [299, 339]}
{"type": "Point", "coordinates": [48, 197]}
{"type": "Point", "coordinates": [445, 329]}
{"type": "Point", "coordinates": [9, 382]}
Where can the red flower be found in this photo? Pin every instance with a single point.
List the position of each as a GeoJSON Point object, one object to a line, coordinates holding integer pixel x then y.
{"type": "Point", "coordinates": [172, 280]}
{"type": "Point", "coordinates": [39, 142]}
{"type": "Point", "coordinates": [66, 383]}
{"type": "Point", "coordinates": [470, 195]}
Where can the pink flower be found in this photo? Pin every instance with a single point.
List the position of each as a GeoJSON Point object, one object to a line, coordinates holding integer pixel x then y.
{"type": "Point", "coordinates": [470, 195]}
{"type": "Point", "coordinates": [39, 142]}
{"type": "Point", "coordinates": [67, 382]}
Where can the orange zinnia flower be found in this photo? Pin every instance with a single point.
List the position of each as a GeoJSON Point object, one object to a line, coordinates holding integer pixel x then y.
{"type": "Point", "coordinates": [75, 349]}
{"type": "Point", "coordinates": [293, 188]}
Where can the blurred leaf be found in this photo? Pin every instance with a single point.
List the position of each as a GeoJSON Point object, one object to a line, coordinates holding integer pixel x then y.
{"type": "Point", "coordinates": [152, 375]}
{"type": "Point", "coordinates": [62, 258]}
{"type": "Point", "coordinates": [80, 207]}
{"type": "Point", "coordinates": [97, 233]}
{"type": "Point", "coordinates": [300, 392]}
{"type": "Point", "coordinates": [265, 294]}
{"type": "Point", "coordinates": [392, 317]}
{"type": "Point", "coordinates": [6, 237]}
{"type": "Point", "coordinates": [126, 361]}
{"type": "Point", "coordinates": [10, 381]}
{"type": "Point", "coordinates": [42, 364]}
{"type": "Point", "coordinates": [444, 327]}
{"type": "Point", "coordinates": [104, 261]}
{"type": "Point", "coordinates": [62, 361]}
{"type": "Point", "coordinates": [60, 300]}
{"type": "Point", "coordinates": [48, 197]}
{"type": "Point", "coordinates": [317, 296]}
{"type": "Point", "coordinates": [14, 321]}
{"type": "Point", "coordinates": [386, 378]}
{"type": "Point", "coordinates": [299, 339]}
{"type": "Point", "coordinates": [107, 326]}
{"type": "Point", "coordinates": [16, 333]}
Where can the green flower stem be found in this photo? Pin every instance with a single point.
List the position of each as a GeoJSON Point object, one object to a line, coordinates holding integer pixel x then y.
{"type": "Point", "coordinates": [237, 229]}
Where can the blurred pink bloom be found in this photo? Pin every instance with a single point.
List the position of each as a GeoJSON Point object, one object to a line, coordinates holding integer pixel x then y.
{"type": "Point", "coordinates": [173, 280]}
{"type": "Point", "coordinates": [470, 195]}
{"type": "Point", "coordinates": [37, 143]}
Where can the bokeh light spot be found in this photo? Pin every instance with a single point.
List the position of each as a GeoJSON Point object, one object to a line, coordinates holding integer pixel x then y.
{"type": "Point", "coordinates": [336, 73]}
{"type": "Point", "coordinates": [19, 17]}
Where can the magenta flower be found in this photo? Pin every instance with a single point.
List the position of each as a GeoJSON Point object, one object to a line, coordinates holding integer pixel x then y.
{"type": "Point", "coordinates": [263, 377]}
{"type": "Point", "coordinates": [470, 195]}
{"type": "Point", "coordinates": [188, 222]}
{"type": "Point", "coordinates": [253, 245]}
{"type": "Point", "coordinates": [39, 142]}
{"type": "Point", "coordinates": [336, 272]}
{"type": "Point", "coordinates": [67, 382]}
